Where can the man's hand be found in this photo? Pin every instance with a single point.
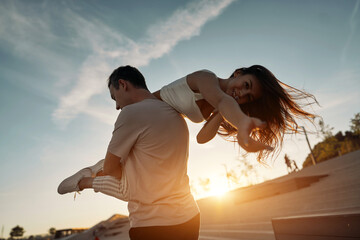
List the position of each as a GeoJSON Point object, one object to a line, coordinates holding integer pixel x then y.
{"type": "Point", "coordinates": [245, 141]}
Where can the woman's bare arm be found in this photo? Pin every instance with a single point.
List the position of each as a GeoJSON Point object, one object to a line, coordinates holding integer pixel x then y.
{"type": "Point", "coordinates": [209, 130]}
{"type": "Point", "coordinates": [208, 85]}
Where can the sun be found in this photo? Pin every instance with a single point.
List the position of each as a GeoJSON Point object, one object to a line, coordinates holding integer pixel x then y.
{"type": "Point", "coordinates": [218, 189]}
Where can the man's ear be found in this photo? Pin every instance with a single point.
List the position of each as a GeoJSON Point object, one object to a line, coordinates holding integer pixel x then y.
{"type": "Point", "coordinates": [123, 84]}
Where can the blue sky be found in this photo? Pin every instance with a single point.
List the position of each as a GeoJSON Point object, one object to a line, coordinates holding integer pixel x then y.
{"type": "Point", "coordinates": [57, 116]}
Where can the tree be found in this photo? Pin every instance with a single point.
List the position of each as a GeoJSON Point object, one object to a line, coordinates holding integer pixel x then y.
{"type": "Point", "coordinates": [332, 146]}
{"type": "Point", "coordinates": [324, 150]}
{"type": "Point", "coordinates": [248, 171]}
{"type": "Point", "coordinates": [205, 184]}
{"type": "Point", "coordinates": [355, 124]}
{"type": "Point", "coordinates": [290, 164]}
{"type": "Point", "coordinates": [231, 177]}
{"type": "Point", "coordinates": [52, 231]}
{"type": "Point", "coordinates": [325, 130]}
{"type": "Point", "coordinates": [17, 231]}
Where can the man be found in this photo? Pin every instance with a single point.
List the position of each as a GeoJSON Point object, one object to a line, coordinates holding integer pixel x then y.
{"type": "Point", "coordinates": [151, 141]}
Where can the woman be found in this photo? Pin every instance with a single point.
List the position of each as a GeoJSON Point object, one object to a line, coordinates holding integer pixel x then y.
{"type": "Point", "coordinates": [202, 95]}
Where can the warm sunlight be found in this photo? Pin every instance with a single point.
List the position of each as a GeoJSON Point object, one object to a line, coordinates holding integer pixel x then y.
{"type": "Point", "coordinates": [218, 188]}
{"type": "Point", "coordinates": [188, 51]}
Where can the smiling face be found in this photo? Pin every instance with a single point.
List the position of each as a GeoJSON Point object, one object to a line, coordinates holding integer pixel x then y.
{"type": "Point", "coordinates": [244, 88]}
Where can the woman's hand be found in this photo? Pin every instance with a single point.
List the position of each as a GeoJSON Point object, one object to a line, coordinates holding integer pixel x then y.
{"type": "Point", "coordinates": [208, 85]}
{"type": "Point", "coordinates": [248, 125]}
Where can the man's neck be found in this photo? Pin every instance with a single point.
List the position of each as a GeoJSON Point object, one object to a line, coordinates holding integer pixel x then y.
{"type": "Point", "coordinates": [142, 94]}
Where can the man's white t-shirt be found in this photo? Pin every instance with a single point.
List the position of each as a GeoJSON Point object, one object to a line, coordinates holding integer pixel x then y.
{"type": "Point", "coordinates": [152, 140]}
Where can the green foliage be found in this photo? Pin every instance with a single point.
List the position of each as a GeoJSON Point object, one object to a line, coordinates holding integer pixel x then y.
{"type": "Point", "coordinates": [325, 130]}
{"type": "Point", "coordinates": [323, 151]}
{"type": "Point", "coordinates": [17, 231]}
{"type": "Point", "coordinates": [52, 231]}
{"type": "Point", "coordinates": [355, 124]}
{"type": "Point", "coordinates": [333, 146]}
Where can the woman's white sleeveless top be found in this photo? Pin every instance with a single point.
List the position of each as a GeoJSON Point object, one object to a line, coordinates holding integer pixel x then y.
{"type": "Point", "coordinates": [179, 95]}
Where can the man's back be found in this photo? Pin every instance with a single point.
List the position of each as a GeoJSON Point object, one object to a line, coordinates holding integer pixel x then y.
{"type": "Point", "coordinates": [152, 139]}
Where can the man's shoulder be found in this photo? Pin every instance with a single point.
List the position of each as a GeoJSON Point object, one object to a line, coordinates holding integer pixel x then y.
{"type": "Point", "coordinates": [150, 114]}
{"type": "Point", "coordinates": [148, 108]}
{"type": "Point", "coordinates": [146, 105]}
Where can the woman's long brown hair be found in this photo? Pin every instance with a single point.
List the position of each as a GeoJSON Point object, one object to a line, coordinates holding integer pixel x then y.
{"type": "Point", "coordinates": [279, 106]}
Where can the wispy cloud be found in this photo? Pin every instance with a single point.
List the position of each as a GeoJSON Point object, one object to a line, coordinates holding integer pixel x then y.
{"type": "Point", "coordinates": [342, 95]}
{"type": "Point", "coordinates": [31, 36]}
{"type": "Point", "coordinates": [18, 27]}
{"type": "Point", "coordinates": [333, 100]}
{"type": "Point", "coordinates": [110, 49]}
{"type": "Point", "coordinates": [353, 21]}
{"type": "Point", "coordinates": [36, 38]}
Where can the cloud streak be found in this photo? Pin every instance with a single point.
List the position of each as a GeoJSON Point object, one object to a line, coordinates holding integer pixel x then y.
{"type": "Point", "coordinates": [31, 36]}
{"type": "Point", "coordinates": [110, 49]}
{"type": "Point", "coordinates": [341, 96]}
{"type": "Point", "coordinates": [353, 25]}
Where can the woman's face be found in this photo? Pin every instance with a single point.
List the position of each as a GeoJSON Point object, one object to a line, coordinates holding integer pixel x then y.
{"type": "Point", "coordinates": [244, 88]}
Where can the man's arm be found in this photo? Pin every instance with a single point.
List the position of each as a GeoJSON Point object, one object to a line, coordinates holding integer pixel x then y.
{"type": "Point", "coordinates": [124, 137]}
{"type": "Point", "coordinates": [112, 165]}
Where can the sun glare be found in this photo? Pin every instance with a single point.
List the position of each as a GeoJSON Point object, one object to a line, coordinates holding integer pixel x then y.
{"type": "Point", "coordinates": [218, 189]}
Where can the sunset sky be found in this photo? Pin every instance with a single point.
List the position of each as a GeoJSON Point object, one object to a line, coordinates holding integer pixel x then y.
{"type": "Point", "coordinates": [57, 115]}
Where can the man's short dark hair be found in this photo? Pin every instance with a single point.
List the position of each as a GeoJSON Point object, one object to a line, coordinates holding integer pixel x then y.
{"type": "Point", "coordinates": [129, 74]}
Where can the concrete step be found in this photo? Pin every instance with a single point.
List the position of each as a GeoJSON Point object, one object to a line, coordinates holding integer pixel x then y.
{"type": "Point", "coordinates": [320, 194]}
{"type": "Point", "coordinates": [246, 230]}
{"type": "Point", "coordinates": [325, 199]}
{"type": "Point", "coordinates": [347, 209]}
{"type": "Point", "coordinates": [327, 226]}
{"type": "Point", "coordinates": [229, 234]}
{"type": "Point", "coordinates": [334, 199]}
{"type": "Point", "coordinates": [256, 214]}
{"type": "Point", "coordinates": [265, 225]}
{"type": "Point", "coordinates": [340, 190]}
